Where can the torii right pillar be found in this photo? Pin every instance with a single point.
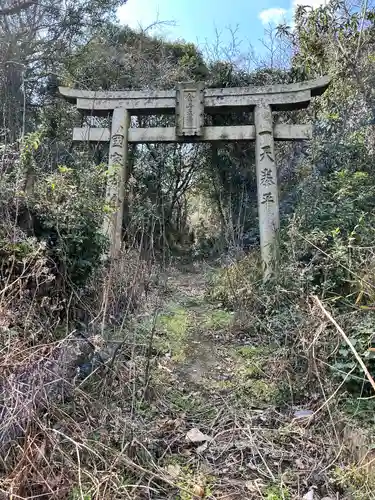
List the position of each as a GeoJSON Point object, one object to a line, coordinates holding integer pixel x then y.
{"type": "Point", "coordinates": [267, 189]}
{"type": "Point", "coordinates": [266, 169]}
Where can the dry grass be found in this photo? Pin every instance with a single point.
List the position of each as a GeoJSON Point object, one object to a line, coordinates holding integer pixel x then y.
{"type": "Point", "coordinates": [120, 431]}
{"type": "Point", "coordinates": [51, 411]}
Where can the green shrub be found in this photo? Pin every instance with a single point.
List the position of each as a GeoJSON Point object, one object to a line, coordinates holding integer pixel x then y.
{"type": "Point", "coordinates": [68, 208]}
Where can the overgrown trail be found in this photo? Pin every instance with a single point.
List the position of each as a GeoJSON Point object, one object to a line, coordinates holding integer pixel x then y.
{"type": "Point", "coordinates": [203, 344]}
{"type": "Point", "coordinates": [218, 402]}
{"type": "Point", "coordinates": [195, 331]}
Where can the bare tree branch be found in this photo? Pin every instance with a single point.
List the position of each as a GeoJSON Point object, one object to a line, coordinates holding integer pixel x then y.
{"type": "Point", "coordinates": [17, 7]}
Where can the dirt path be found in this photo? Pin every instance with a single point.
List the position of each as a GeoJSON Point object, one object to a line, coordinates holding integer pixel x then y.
{"type": "Point", "coordinates": [195, 331]}
{"type": "Point", "coordinates": [209, 376]}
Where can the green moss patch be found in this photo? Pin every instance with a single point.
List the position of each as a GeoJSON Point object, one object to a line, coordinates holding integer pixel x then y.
{"type": "Point", "coordinates": [172, 329]}
{"type": "Point", "coordinates": [217, 319]}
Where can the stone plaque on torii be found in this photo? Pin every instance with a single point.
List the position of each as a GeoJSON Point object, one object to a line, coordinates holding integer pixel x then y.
{"type": "Point", "coordinates": [190, 102]}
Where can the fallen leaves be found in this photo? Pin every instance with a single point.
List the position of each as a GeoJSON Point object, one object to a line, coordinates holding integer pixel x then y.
{"type": "Point", "coordinates": [185, 481]}
{"type": "Point", "coordinates": [198, 491]}
{"type": "Point", "coordinates": [173, 471]}
{"type": "Point", "coordinates": [196, 436]}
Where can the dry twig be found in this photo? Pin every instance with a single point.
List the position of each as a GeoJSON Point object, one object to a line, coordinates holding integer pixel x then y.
{"type": "Point", "coordinates": [347, 340]}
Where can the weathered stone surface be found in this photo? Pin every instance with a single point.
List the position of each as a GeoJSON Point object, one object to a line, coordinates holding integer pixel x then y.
{"type": "Point", "coordinates": [317, 87]}
{"type": "Point", "coordinates": [291, 96]}
{"type": "Point", "coordinates": [279, 101]}
{"type": "Point", "coordinates": [209, 134]}
{"type": "Point", "coordinates": [267, 188]}
{"type": "Point", "coordinates": [112, 226]}
{"type": "Point", "coordinates": [135, 106]}
{"type": "Point", "coordinates": [189, 109]}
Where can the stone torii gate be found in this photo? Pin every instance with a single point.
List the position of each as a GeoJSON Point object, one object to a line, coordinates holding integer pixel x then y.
{"type": "Point", "coordinates": [190, 102]}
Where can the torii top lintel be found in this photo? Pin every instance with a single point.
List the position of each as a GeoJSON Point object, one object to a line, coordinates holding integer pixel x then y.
{"type": "Point", "coordinates": [279, 97]}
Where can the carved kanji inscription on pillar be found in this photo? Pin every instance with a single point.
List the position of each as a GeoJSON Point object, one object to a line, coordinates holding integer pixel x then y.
{"type": "Point", "coordinates": [117, 140]}
{"type": "Point", "coordinates": [267, 199]}
{"type": "Point", "coordinates": [266, 177]}
{"type": "Point", "coordinates": [112, 224]}
{"type": "Point", "coordinates": [266, 151]}
{"type": "Point", "coordinates": [117, 158]}
{"type": "Point", "coordinates": [268, 202]}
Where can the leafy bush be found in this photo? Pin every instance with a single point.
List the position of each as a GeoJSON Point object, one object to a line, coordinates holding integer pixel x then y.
{"type": "Point", "coordinates": [68, 208]}
{"type": "Point", "coordinates": [360, 329]}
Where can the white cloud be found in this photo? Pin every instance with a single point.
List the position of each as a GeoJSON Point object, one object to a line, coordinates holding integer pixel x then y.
{"type": "Point", "coordinates": [272, 16]}
{"type": "Point", "coordinates": [276, 15]}
{"type": "Point", "coordinates": [136, 13]}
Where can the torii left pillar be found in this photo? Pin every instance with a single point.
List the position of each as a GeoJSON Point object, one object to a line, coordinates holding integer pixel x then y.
{"type": "Point", "coordinates": [117, 164]}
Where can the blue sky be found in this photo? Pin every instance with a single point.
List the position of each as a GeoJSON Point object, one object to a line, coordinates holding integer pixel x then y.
{"type": "Point", "coordinates": [198, 20]}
